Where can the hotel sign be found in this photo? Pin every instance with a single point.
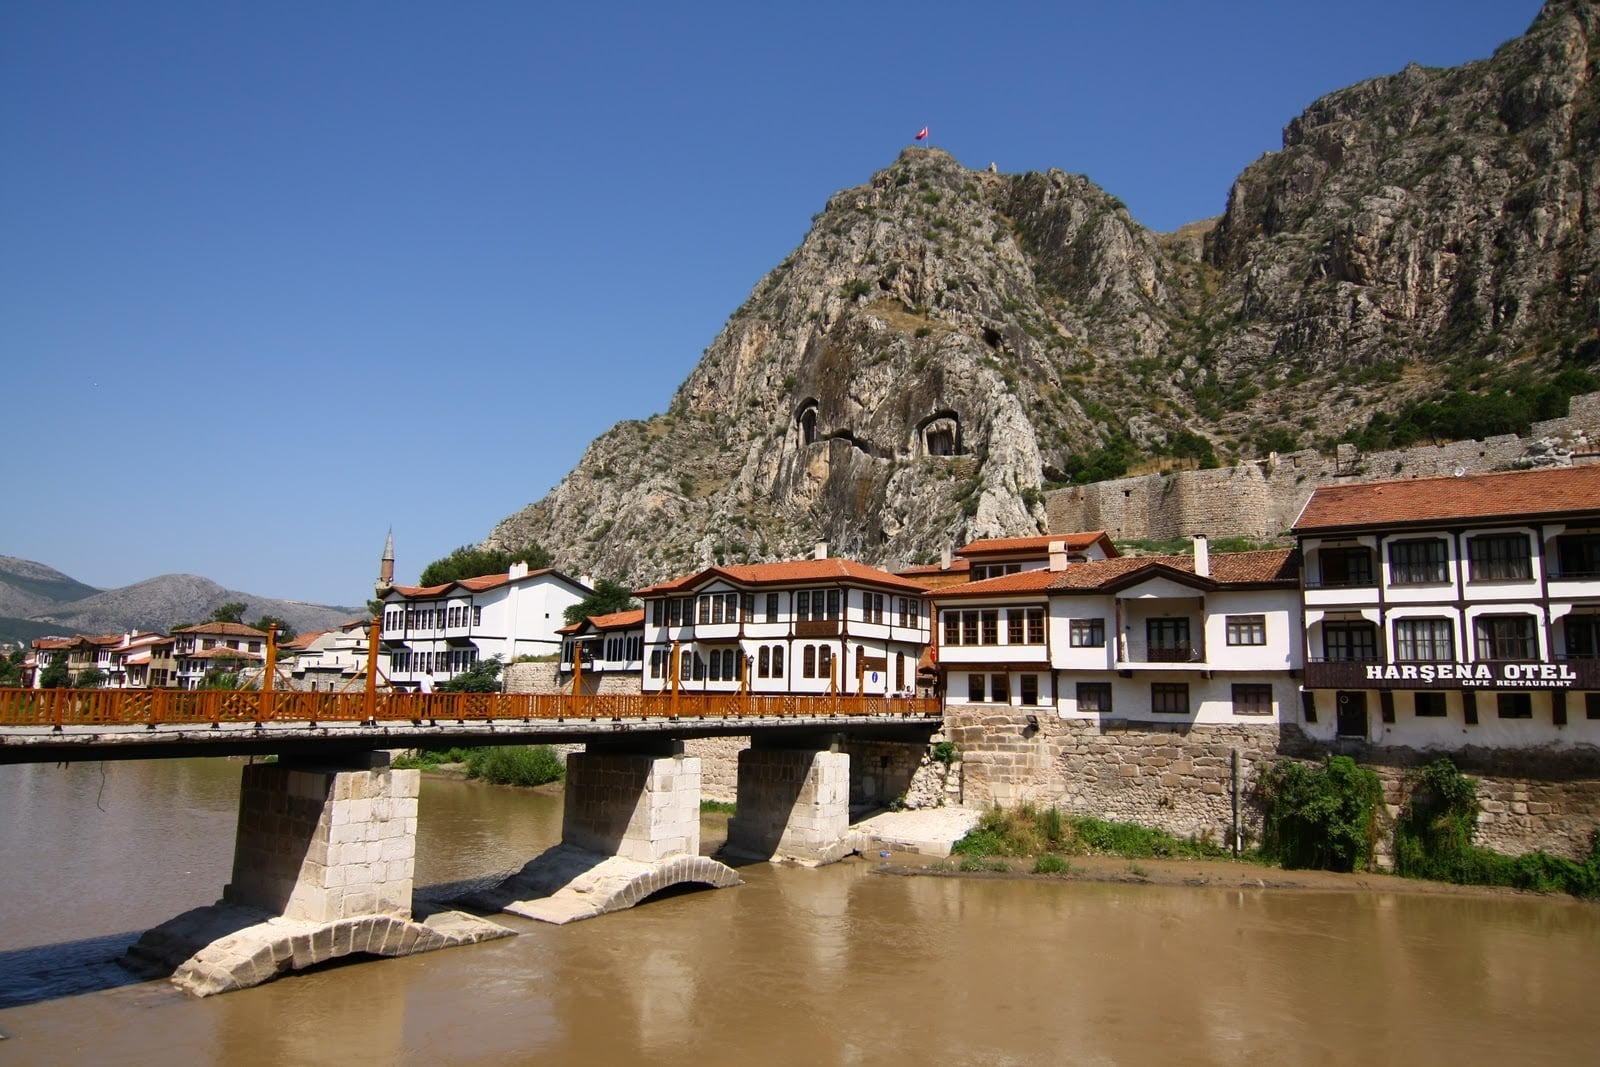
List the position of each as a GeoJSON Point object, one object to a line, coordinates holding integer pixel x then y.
{"type": "Point", "coordinates": [1573, 674]}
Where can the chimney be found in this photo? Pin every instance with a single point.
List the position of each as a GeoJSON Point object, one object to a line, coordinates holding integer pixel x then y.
{"type": "Point", "coordinates": [518, 570]}
{"type": "Point", "coordinates": [944, 557]}
{"type": "Point", "coordinates": [1202, 557]}
{"type": "Point", "coordinates": [822, 550]}
{"type": "Point", "coordinates": [1058, 555]}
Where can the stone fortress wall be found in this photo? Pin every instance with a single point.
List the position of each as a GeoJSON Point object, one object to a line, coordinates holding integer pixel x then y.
{"type": "Point", "coordinates": [1263, 499]}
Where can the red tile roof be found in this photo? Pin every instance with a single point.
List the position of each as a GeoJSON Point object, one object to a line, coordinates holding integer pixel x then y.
{"type": "Point", "coordinates": [957, 566]}
{"type": "Point", "coordinates": [1274, 567]}
{"type": "Point", "coordinates": [479, 584]}
{"type": "Point", "coordinates": [617, 620]}
{"type": "Point", "coordinates": [1010, 546]}
{"type": "Point", "coordinates": [793, 572]}
{"type": "Point", "coordinates": [1506, 495]}
{"type": "Point", "coordinates": [226, 629]}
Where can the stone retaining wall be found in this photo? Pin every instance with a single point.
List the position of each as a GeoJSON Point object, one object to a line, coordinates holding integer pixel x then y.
{"type": "Point", "coordinates": [1181, 778]}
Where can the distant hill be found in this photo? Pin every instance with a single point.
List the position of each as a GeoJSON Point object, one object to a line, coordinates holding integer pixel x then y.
{"type": "Point", "coordinates": [36, 600]}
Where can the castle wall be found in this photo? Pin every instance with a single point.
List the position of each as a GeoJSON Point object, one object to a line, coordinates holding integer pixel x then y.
{"type": "Point", "coordinates": [1263, 499]}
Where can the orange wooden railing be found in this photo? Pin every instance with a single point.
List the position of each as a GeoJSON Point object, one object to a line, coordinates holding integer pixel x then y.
{"type": "Point", "coordinates": [177, 707]}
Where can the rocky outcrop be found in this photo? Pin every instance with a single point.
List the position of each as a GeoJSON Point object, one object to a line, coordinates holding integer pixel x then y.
{"type": "Point", "coordinates": [946, 343]}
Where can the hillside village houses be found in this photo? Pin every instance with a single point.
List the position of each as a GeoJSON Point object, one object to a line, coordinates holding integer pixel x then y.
{"type": "Point", "coordinates": [1434, 614]}
{"type": "Point", "coordinates": [329, 660]}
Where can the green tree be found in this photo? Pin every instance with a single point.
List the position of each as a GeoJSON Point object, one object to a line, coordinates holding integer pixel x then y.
{"type": "Point", "coordinates": [11, 669]}
{"type": "Point", "coordinates": [232, 611]}
{"type": "Point", "coordinates": [90, 678]}
{"type": "Point", "coordinates": [608, 597]}
{"type": "Point", "coordinates": [482, 677]}
{"type": "Point", "coordinates": [54, 675]}
{"type": "Point", "coordinates": [268, 622]}
{"type": "Point", "coordinates": [470, 562]}
{"type": "Point", "coordinates": [217, 678]}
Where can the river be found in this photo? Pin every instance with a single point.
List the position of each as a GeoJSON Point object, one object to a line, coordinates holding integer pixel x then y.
{"type": "Point", "coordinates": [841, 965]}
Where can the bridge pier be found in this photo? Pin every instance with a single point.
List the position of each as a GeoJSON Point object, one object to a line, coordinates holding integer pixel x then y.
{"type": "Point", "coordinates": [323, 867]}
{"type": "Point", "coordinates": [794, 803]}
{"type": "Point", "coordinates": [630, 827]}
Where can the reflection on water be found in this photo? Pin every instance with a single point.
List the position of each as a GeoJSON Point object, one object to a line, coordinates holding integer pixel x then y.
{"type": "Point", "coordinates": [838, 965]}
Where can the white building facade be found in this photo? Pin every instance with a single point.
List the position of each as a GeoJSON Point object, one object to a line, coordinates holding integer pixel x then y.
{"type": "Point", "coordinates": [1447, 612]}
{"type": "Point", "coordinates": [1179, 639]}
{"type": "Point", "coordinates": [813, 627]}
{"type": "Point", "coordinates": [442, 630]}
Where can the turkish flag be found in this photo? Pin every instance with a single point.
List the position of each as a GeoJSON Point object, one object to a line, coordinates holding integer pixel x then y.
{"type": "Point", "coordinates": [922, 134]}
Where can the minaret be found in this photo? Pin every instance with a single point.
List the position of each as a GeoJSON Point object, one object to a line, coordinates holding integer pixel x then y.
{"type": "Point", "coordinates": [385, 580]}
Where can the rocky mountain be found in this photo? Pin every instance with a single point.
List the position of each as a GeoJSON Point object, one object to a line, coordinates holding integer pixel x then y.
{"type": "Point", "coordinates": [946, 345]}
{"type": "Point", "coordinates": [36, 600]}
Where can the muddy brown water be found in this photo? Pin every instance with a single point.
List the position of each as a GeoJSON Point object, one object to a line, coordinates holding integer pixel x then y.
{"type": "Point", "coordinates": [834, 966]}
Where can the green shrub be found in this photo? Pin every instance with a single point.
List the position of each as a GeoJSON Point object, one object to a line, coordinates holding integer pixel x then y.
{"type": "Point", "coordinates": [516, 765]}
{"type": "Point", "coordinates": [1321, 817]}
{"type": "Point", "coordinates": [944, 752]}
{"type": "Point", "coordinates": [721, 807]}
{"type": "Point", "coordinates": [1433, 839]}
{"type": "Point", "coordinates": [1050, 863]}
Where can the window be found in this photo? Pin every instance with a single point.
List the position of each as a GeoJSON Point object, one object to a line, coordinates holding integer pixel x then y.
{"type": "Point", "coordinates": [477, 616]}
{"type": "Point", "coordinates": [1515, 705]}
{"type": "Point", "coordinates": [872, 607]}
{"type": "Point", "coordinates": [952, 627]}
{"type": "Point", "coordinates": [975, 688]}
{"type": "Point", "coordinates": [802, 605]}
{"type": "Point", "coordinates": [808, 662]}
{"type": "Point", "coordinates": [825, 662]}
{"type": "Point", "coordinates": [1346, 566]}
{"type": "Point", "coordinates": [777, 661]}
{"type": "Point", "coordinates": [1025, 626]}
{"type": "Point", "coordinates": [1169, 698]}
{"type": "Point", "coordinates": [658, 662]}
{"type": "Point", "coordinates": [910, 610]}
{"type": "Point", "coordinates": [833, 604]}
{"type": "Point", "coordinates": [1168, 640]}
{"type": "Point", "coordinates": [772, 607]}
{"type": "Point", "coordinates": [1583, 636]}
{"type": "Point", "coordinates": [999, 689]}
{"type": "Point", "coordinates": [1591, 705]}
{"type": "Point", "coordinates": [972, 627]}
{"type": "Point", "coordinates": [658, 613]}
{"type": "Point", "coordinates": [764, 662]}
{"type": "Point", "coordinates": [1350, 641]}
{"type": "Point", "coordinates": [1418, 562]}
{"type": "Point", "coordinates": [1247, 629]}
{"type": "Point", "coordinates": [1428, 705]}
{"type": "Point", "coordinates": [1252, 699]}
{"type": "Point", "coordinates": [1499, 558]}
{"type": "Point", "coordinates": [675, 612]}
{"type": "Point", "coordinates": [1087, 633]}
{"type": "Point", "coordinates": [1505, 637]}
{"type": "Point", "coordinates": [1028, 688]}
{"type": "Point", "coordinates": [1578, 555]}
{"type": "Point", "coordinates": [990, 632]}
{"type": "Point", "coordinates": [1424, 640]}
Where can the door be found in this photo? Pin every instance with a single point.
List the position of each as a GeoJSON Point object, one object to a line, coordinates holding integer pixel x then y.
{"type": "Point", "coordinates": [1352, 719]}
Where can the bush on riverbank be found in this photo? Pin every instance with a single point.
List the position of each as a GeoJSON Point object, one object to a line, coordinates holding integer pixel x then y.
{"type": "Point", "coordinates": [1030, 831]}
{"type": "Point", "coordinates": [429, 759]}
{"type": "Point", "coordinates": [1323, 817]}
{"type": "Point", "coordinates": [1433, 840]}
{"type": "Point", "coordinates": [516, 764]}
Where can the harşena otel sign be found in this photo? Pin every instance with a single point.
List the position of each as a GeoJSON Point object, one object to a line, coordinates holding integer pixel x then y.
{"type": "Point", "coordinates": [1572, 674]}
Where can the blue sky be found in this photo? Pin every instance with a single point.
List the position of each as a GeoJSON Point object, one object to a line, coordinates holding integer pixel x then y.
{"type": "Point", "coordinates": [276, 277]}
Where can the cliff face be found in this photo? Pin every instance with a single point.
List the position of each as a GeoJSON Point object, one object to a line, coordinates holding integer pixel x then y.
{"type": "Point", "coordinates": [944, 342]}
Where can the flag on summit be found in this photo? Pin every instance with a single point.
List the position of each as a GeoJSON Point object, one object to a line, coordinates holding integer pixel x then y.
{"type": "Point", "coordinates": [922, 134]}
